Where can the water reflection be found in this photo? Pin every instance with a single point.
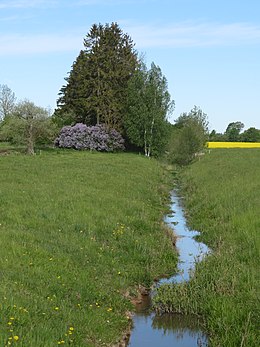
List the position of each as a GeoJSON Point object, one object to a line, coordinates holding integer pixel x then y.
{"type": "Point", "coordinates": [172, 329]}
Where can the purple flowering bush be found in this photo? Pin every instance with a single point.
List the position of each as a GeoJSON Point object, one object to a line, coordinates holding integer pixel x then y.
{"type": "Point", "coordinates": [96, 137]}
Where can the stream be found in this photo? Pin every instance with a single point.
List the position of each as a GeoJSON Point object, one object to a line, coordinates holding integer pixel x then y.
{"type": "Point", "coordinates": [172, 329]}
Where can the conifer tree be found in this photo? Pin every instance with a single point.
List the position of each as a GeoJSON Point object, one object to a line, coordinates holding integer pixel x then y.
{"type": "Point", "coordinates": [96, 87]}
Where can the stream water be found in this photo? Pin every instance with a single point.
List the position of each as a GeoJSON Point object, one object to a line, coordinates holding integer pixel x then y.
{"type": "Point", "coordinates": [171, 329]}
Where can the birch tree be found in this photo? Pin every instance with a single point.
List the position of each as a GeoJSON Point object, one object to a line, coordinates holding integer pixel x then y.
{"type": "Point", "coordinates": [7, 101]}
{"type": "Point", "coordinates": [148, 106]}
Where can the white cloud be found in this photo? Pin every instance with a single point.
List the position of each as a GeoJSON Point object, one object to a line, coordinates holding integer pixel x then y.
{"type": "Point", "coordinates": [7, 4]}
{"type": "Point", "coordinates": [193, 35]}
{"type": "Point", "coordinates": [21, 44]}
{"type": "Point", "coordinates": [145, 36]}
{"type": "Point", "coordinates": [26, 3]}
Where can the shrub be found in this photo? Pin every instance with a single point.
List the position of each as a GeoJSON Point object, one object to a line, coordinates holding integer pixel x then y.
{"type": "Point", "coordinates": [97, 137]}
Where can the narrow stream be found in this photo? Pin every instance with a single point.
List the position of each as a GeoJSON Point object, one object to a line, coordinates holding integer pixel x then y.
{"type": "Point", "coordinates": [172, 329]}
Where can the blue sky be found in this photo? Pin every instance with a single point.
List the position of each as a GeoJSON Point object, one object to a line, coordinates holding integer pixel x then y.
{"type": "Point", "coordinates": [209, 51]}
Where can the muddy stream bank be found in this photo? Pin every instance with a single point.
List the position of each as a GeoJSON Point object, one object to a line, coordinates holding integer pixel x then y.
{"type": "Point", "coordinates": [175, 330]}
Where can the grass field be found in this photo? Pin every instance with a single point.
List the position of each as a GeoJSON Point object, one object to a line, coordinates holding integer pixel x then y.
{"type": "Point", "coordinates": [79, 232]}
{"type": "Point", "coordinates": [222, 196]}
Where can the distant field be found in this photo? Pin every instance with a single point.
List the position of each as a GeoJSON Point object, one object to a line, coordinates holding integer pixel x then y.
{"type": "Point", "coordinates": [233, 144]}
{"type": "Point", "coordinates": [78, 233]}
{"type": "Point", "coordinates": [222, 197]}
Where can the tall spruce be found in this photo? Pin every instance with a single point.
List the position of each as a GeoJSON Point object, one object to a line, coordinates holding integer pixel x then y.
{"type": "Point", "coordinates": [96, 88]}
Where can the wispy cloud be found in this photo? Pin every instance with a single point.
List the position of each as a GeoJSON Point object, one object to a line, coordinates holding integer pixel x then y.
{"type": "Point", "coordinates": [189, 34]}
{"type": "Point", "coordinates": [39, 44]}
{"type": "Point", "coordinates": [109, 2]}
{"type": "Point", "coordinates": [26, 3]}
{"type": "Point", "coordinates": [6, 4]}
{"type": "Point", "coordinates": [145, 36]}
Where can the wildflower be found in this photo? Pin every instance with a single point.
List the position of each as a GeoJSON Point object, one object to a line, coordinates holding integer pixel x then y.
{"type": "Point", "coordinates": [9, 323]}
{"type": "Point", "coordinates": [11, 318]}
{"type": "Point", "coordinates": [109, 309]}
{"type": "Point", "coordinates": [56, 308]}
{"type": "Point", "coordinates": [119, 273]}
{"type": "Point", "coordinates": [16, 337]}
{"type": "Point", "coordinates": [71, 328]}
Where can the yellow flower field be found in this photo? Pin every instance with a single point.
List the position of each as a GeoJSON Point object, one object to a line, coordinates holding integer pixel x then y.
{"type": "Point", "coordinates": [233, 144]}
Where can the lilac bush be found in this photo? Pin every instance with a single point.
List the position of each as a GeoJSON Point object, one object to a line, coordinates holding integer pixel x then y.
{"type": "Point", "coordinates": [96, 137]}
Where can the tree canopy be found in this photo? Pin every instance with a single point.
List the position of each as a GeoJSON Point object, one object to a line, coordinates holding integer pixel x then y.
{"type": "Point", "coordinates": [7, 101]}
{"type": "Point", "coordinates": [96, 87]}
{"type": "Point", "coordinates": [189, 134]}
{"type": "Point", "coordinates": [233, 130]}
{"type": "Point", "coordinates": [28, 124]}
{"type": "Point", "coordinates": [148, 105]}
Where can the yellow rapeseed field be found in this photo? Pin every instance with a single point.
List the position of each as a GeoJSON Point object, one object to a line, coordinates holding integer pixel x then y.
{"type": "Point", "coordinates": [233, 144]}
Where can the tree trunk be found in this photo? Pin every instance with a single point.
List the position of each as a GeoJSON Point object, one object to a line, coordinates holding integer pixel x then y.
{"type": "Point", "coordinates": [145, 144]}
{"type": "Point", "coordinates": [30, 142]}
{"type": "Point", "coordinates": [151, 138]}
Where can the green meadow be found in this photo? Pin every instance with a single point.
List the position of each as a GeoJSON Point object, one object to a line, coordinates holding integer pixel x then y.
{"type": "Point", "coordinates": [79, 232]}
{"type": "Point", "coordinates": [222, 199]}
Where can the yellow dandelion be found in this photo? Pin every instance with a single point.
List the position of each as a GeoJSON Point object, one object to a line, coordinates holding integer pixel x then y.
{"type": "Point", "coordinates": [56, 308]}
{"type": "Point", "coordinates": [11, 318]}
{"type": "Point", "coordinates": [9, 323]}
{"type": "Point", "coordinates": [16, 337]}
{"type": "Point", "coordinates": [71, 328]}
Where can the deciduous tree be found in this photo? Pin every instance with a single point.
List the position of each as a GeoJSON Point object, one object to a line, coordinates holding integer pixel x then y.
{"type": "Point", "coordinates": [189, 135]}
{"type": "Point", "coordinates": [28, 125]}
{"type": "Point", "coordinates": [233, 130]}
{"type": "Point", "coordinates": [148, 105]}
{"type": "Point", "coordinates": [7, 101]}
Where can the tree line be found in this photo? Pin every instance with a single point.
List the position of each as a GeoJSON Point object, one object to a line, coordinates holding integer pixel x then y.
{"type": "Point", "coordinates": [234, 133]}
{"type": "Point", "coordinates": [111, 88]}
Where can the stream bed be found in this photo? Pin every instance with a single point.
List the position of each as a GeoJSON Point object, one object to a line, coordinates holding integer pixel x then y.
{"type": "Point", "coordinates": [172, 329]}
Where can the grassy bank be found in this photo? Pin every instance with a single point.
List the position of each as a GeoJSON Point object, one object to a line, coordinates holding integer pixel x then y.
{"type": "Point", "coordinates": [222, 198]}
{"type": "Point", "coordinates": [78, 233]}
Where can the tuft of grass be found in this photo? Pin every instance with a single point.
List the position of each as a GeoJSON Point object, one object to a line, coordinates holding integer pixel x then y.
{"type": "Point", "coordinates": [222, 198]}
{"type": "Point", "coordinates": [79, 232]}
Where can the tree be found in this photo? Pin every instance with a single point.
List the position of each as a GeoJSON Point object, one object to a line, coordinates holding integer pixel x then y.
{"type": "Point", "coordinates": [251, 135]}
{"type": "Point", "coordinates": [216, 137]}
{"type": "Point", "coordinates": [233, 130]}
{"type": "Point", "coordinates": [7, 101]}
{"type": "Point", "coordinates": [148, 104]}
{"type": "Point", "coordinates": [189, 135]}
{"type": "Point", "coordinates": [96, 87]}
{"type": "Point", "coordinates": [28, 125]}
